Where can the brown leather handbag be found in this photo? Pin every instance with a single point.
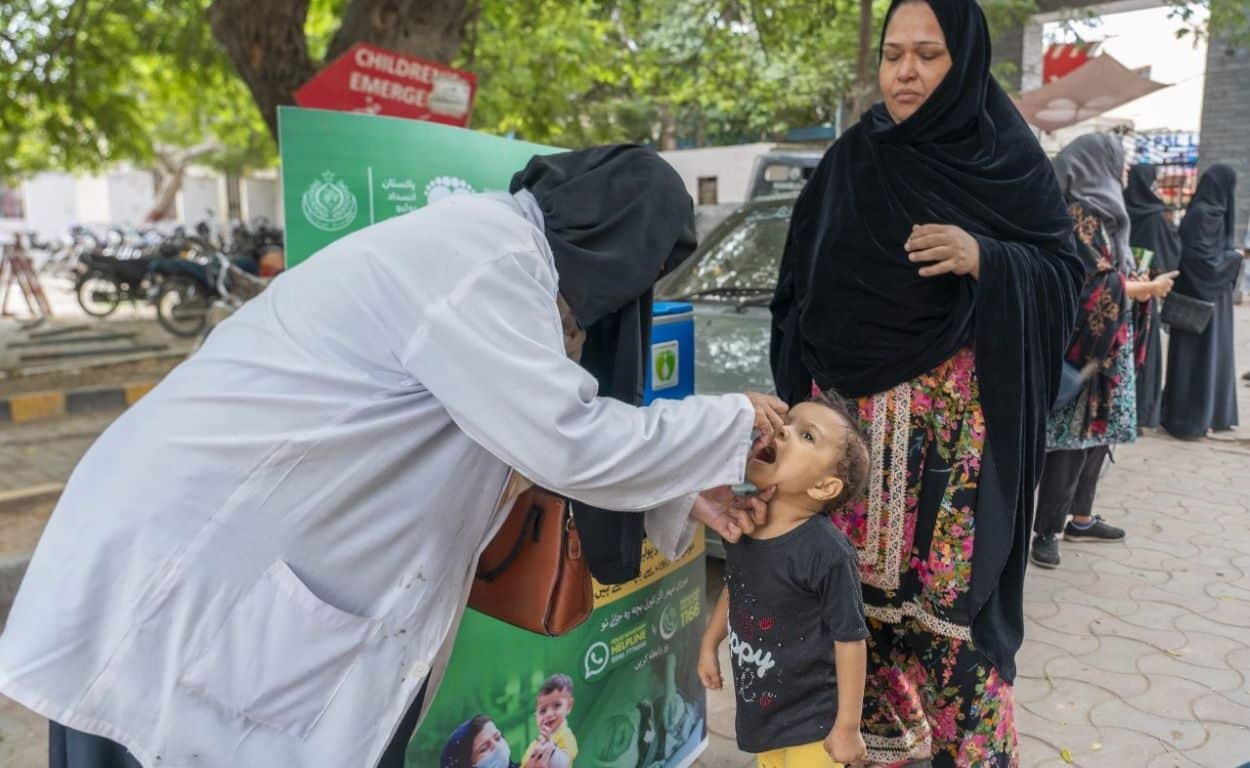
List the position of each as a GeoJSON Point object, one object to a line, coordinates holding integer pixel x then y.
{"type": "Point", "coordinates": [532, 574]}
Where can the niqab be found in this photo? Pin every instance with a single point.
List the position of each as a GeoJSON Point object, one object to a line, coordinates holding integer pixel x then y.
{"type": "Point", "coordinates": [617, 219]}
{"type": "Point", "coordinates": [1149, 226]}
{"type": "Point", "coordinates": [852, 313]}
{"type": "Point", "coordinates": [1207, 237]}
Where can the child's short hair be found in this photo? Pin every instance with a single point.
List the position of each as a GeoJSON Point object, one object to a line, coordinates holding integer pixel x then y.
{"type": "Point", "coordinates": [555, 684]}
{"type": "Point", "coordinates": [852, 468]}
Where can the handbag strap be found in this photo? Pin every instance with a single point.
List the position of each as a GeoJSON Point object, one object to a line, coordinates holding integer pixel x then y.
{"type": "Point", "coordinates": [533, 518]}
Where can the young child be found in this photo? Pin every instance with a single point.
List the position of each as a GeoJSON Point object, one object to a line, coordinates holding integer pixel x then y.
{"type": "Point", "coordinates": [792, 606]}
{"type": "Point", "coordinates": [555, 702]}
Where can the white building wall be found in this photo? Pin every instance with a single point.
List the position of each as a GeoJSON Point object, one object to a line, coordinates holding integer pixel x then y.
{"type": "Point", "coordinates": [261, 197]}
{"type": "Point", "coordinates": [131, 195]}
{"type": "Point", "coordinates": [55, 201]}
{"type": "Point", "coordinates": [51, 204]}
{"type": "Point", "coordinates": [730, 166]}
{"type": "Point", "coordinates": [92, 196]}
{"type": "Point", "coordinates": [201, 198]}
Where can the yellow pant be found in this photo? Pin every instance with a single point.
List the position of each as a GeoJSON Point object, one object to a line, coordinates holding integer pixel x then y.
{"type": "Point", "coordinates": [807, 756]}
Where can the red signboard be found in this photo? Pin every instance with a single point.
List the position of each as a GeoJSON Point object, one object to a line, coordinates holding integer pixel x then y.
{"type": "Point", "coordinates": [1064, 58]}
{"type": "Point", "coordinates": [381, 82]}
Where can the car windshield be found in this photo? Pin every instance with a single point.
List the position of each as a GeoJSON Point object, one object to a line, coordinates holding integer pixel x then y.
{"type": "Point", "coordinates": [742, 264]}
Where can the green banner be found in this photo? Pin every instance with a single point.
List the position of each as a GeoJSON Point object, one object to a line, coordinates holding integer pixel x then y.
{"type": "Point", "coordinates": [636, 700]}
{"type": "Point", "coordinates": [342, 171]}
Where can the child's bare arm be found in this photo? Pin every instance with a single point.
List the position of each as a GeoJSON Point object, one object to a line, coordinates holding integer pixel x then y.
{"type": "Point", "coordinates": [715, 634]}
{"type": "Point", "coordinates": [845, 743]}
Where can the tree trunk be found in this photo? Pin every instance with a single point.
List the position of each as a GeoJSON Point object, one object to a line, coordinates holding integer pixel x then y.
{"type": "Point", "coordinates": [172, 168]}
{"type": "Point", "coordinates": [265, 39]}
{"type": "Point", "coordinates": [429, 29]}
{"type": "Point", "coordinates": [864, 91]}
{"type": "Point", "coordinates": [668, 128]}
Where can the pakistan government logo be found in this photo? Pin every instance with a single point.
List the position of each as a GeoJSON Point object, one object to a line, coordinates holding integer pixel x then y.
{"type": "Point", "coordinates": [328, 204]}
{"type": "Point", "coordinates": [664, 365]}
{"type": "Point", "coordinates": [446, 186]}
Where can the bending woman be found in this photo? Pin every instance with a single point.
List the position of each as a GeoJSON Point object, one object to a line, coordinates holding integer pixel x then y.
{"type": "Point", "coordinates": [930, 273]}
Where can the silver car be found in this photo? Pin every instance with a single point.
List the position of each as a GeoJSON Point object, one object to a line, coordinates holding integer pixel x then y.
{"type": "Point", "coordinates": [730, 280]}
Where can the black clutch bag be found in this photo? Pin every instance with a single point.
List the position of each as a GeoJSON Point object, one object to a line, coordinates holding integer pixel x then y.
{"type": "Point", "coordinates": [1185, 313]}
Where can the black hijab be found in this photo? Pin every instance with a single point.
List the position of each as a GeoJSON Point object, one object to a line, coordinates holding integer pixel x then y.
{"type": "Point", "coordinates": [1209, 263]}
{"type": "Point", "coordinates": [1139, 193]}
{"type": "Point", "coordinates": [617, 219]}
{"type": "Point", "coordinates": [1148, 216]}
{"type": "Point", "coordinates": [852, 313]}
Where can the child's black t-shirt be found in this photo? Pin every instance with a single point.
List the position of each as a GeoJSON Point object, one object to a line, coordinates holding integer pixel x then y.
{"type": "Point", "coordinates": [790, 599]}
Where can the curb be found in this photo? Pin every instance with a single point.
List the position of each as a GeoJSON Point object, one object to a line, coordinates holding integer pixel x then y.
{"type": "Point", "coordinates": [37, 406]}
{"type": "Point", "coordinates": [33, 494]}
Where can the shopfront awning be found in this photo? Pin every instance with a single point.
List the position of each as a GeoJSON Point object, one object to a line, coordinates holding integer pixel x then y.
{"type": "Point", "coordinates": [1098, 86]}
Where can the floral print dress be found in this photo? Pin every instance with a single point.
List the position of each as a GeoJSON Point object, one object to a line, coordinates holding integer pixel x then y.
{"type": "Point", "coordinates": [930, 692]}
{"type": "Point", "coordinates": [1105, 413]}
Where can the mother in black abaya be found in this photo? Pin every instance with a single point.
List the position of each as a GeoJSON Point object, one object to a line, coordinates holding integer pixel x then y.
{"type": "Point", "coordinates": [931, 274]}
{"type": "Point", "coordinates": [1201, 392]}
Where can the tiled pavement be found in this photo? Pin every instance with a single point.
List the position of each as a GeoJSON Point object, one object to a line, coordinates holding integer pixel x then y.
{"type": "Point", "coordinates": [1137, 655]}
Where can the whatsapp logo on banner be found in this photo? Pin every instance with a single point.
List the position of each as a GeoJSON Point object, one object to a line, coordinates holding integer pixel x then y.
{"type": "Point", "coordinates": [664, 365]}
{"type": "Point", "coordinates": [328, 204]}
{"type": "Point", "coordinates": [597, 658]}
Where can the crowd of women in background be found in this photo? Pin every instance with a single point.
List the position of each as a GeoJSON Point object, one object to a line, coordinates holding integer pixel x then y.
{"type": "Point", "coordinates": [1113, 369]}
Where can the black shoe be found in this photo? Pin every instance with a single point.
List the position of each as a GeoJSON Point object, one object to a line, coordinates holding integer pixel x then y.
{"type": "Point", "coordinates": [1099, 530]}
{"type": "Point", "coordinates": [1045, 551]}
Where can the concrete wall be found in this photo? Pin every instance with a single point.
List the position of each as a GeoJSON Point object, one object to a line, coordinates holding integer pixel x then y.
{"type": "Point", "coordinates": [261, 197]}
{"type": "Point", "coordinates": [92, 195]}
{"type": "Point", "coordinates": [1226, 121]}
{"type": "Point", "coordinates": [51, 204]}
{"type": "Point", "coordinates": [730, 166]}
{"type": "Point", "coordinates": [201, 198]}
{"type": "Point", "coordinates": [131, 195]}
{"type": "Point", "coordinates": [54, 202]}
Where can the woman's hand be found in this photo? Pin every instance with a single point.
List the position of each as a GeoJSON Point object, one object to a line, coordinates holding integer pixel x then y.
{"type": "Point", "coordinates": [729, 515]}
{"type": "Point", "coordinates": [769, 411]}
{"type": "Point", "coordinates": [948, 250]}
{"type": "Point", "coordinates": [1161, 286]}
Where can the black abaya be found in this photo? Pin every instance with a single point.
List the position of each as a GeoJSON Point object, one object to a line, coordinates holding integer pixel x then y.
{"type": "Point", "coordinates": [1152, 231]}
{"type": "Point", "coordinates": [1201, 392]}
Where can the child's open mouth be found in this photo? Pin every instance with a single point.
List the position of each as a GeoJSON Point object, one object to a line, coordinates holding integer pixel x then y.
{"type": "Point", "coordinates": [767, 454]}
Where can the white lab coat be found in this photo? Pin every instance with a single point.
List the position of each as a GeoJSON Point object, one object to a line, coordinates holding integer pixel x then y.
{"type": "Point", "coordinates": [261, 562]}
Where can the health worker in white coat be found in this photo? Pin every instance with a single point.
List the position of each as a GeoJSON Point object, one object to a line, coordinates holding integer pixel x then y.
{"type": "Point", "coordinates": [264, 562]}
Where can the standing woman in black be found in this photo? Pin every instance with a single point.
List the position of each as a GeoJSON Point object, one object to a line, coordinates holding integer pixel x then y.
{"type": "Point", "coordinates": [931, 274]}
{"type": "Point", "coordinates": [1150, 230]}
{"type": "Point", "coordinates": [1201, 393]}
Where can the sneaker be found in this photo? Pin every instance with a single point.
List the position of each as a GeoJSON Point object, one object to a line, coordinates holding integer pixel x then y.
{"type": "Point", "coordinates": [1099, 530]}
{"type": "Point", "coordinates": [1045, 551]}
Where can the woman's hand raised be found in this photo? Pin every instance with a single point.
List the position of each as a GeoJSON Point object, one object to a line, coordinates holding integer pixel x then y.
{"type": "Point", "coordinates": [769, 413]}
{"type": "Point", "coordinates": [947, 250]}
